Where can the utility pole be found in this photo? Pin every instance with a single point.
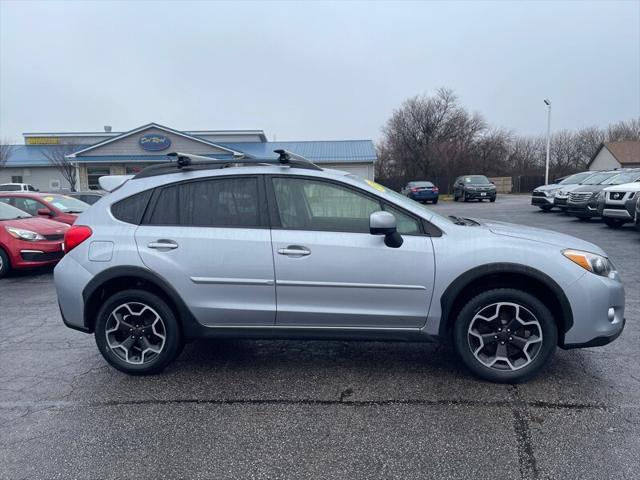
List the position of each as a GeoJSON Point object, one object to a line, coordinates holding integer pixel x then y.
{"type": "Point", "coordinates": [546, 168]}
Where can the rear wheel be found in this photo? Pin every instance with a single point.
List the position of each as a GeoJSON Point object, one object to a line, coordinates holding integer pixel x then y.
{"type": "Point", "coordinates": [137, 332]}
{"type": "Point", "coordinates": [505, 335]}
{"type": "Point", "coordinates": [613, 222]}
{"type": "Point", "coordinates": [435, 201]}
{"type": "Point", "coordinates": [5, 265]}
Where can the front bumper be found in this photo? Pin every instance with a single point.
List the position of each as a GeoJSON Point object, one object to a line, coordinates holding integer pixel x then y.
{"type": "Point", "coordinates": [36, 254]}
{"type": "Point", "coordinates": [560, 202]}
{"type": "Point", "coordinates": [542, 201]}
{"type": "Point", "coordinates": [598, 311]}
{"type": "Point", "coordinates": [482, 195]}
{"type": "Point", "coordinates": [582, 210]}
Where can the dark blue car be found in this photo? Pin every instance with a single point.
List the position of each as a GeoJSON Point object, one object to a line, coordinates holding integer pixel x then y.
{"type": "Point", "coordinates": [421, 192]}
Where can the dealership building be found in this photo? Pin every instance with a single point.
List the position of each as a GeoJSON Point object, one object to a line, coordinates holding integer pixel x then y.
{"type": "Point", "coordinates": [94, 154]}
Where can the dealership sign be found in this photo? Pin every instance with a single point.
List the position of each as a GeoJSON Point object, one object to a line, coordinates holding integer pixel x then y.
{"type": "Point", "coordinates": [154, 142]}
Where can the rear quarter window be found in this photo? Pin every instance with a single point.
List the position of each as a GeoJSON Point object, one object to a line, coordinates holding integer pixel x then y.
{"type": "Point", "coordinates": [131, 209]}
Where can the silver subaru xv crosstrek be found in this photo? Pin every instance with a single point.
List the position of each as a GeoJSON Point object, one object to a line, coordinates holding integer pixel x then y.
{"type": "Point", "coordinates": [285, 249]}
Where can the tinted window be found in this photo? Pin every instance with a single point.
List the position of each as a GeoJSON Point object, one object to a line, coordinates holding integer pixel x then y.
{"type": "Point", "coordinates": [305, 204]}
{"type": "Point", "coordinates": [222, 202]}
{"type": "Point", "coordinates": [131, 209]}
{"type": "Point", "coordinates": [574, 179]}
{"type": "Point", "coordinates": [9, 188]}
{"type": "Point", "coordinates": [621, 178]}
{"type": "Point", "coordinates": [421, 184]}
{"type": "Point", "coordinates": [597, 178]}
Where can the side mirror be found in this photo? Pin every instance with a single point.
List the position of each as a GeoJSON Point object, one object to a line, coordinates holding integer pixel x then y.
{"type": "Point", "coordinates": [384, 223]}
{"type": "Point", "coordinates": [45, 212]}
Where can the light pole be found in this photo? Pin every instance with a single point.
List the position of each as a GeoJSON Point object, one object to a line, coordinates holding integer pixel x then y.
{"type": "Point", "coordinates": [546, 167]}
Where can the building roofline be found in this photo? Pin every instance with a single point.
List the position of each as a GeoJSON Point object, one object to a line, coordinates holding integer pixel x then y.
{"type": "Point", "coordinates": [152, 125]}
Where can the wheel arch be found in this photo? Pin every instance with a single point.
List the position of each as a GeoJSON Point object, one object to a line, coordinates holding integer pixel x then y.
{"type": "Point", "coordinates": [117, 279]}
{"type": "Point", "coordinates": [505, 275]}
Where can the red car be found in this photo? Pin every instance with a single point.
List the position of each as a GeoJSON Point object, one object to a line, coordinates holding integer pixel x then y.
{"type": "Point", "coordinates": [60, 208]}
{"type": "Point", "coordinates": [27, 241]}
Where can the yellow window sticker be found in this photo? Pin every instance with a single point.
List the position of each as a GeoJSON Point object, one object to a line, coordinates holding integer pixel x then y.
{"type": "Point", "coordinates": [48, 199]}
{"type": "Point", "coordinates": [375, 185]}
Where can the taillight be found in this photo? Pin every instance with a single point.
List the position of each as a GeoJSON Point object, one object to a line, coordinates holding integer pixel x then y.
{"type": "Point", "coordinates": [436, 189]}
{"type": "Point", "coordinates": [75, 236]}
{"type": "Point", "coordinates": [414, 189]}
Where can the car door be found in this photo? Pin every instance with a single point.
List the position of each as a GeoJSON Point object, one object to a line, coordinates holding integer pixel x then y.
{"type": "Point", "coordinates": [331, 272]}
{"type": "Point", "coordinates": [210, 240]}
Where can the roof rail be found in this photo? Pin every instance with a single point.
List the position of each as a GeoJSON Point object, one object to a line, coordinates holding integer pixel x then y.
{"type": "Point", "coordinates": [189, 161]}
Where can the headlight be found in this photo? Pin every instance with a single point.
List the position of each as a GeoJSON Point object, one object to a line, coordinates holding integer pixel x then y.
{"type": "Point", "coordinates": [552, 192]}
{"type": "Point", "coordinates": [590, 261]}
{"type": "Point", "coordinates": [21, 234]}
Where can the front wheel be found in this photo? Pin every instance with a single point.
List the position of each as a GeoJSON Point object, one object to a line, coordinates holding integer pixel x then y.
{"type": "Point", "coordinates": [137, 332]}
{"type": "Point", "coordinates": [464, 197]}
{"type": "Point", "coordinates": [492, 199]}
{"type": "Point", "coordinates": [5, 265]}
{"type": "Point", "coordinates": [505, 335]}
{"type": "Point", "coordinates": [546, 208]}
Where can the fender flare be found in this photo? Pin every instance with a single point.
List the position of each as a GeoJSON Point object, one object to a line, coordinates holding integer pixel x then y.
{"type": "Point", "coordinates": [448, 298]}
{"type": "Point", "coordinates": [190, 325]}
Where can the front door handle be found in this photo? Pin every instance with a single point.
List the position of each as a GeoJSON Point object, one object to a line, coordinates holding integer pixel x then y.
{"type": "Point", "coordinates": [162, 244]}
{"type": "Point", "coordinates": [294, 251]}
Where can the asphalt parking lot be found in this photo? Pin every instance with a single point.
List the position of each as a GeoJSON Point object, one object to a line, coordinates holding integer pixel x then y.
{"type": "Point", "coordinates": [276, 409]}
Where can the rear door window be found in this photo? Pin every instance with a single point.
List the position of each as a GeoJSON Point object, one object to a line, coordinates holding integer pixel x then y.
{"type": "Point", "coordinates": [219, 202]}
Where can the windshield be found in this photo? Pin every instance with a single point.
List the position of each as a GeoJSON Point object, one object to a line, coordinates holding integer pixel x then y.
{"type": "Point", "coordinates": [622, 178]}
{"type": "Point", "coordinates": [597, 178]}
{"type": "Point", "coordinates": [66, 204]}
{"type": "Point", "coordinates": [576, 178]}
{"type": "Point", "coordinates": [7, 212]}
{"type": "Point", "coordinates": [399, 199]}
{"type": "Point", "coordinates": [476, 180]}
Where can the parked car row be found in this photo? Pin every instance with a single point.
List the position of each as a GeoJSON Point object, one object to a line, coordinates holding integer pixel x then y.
{"type": "Point", "coordinates": [465, 188]}
{"type": "Point", "coordinates": [612, 195]}
{"type": "Point", "coordinates": [33, 225]}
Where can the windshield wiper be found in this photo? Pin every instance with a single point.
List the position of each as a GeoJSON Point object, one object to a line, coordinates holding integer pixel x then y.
{"type": "Point", "coordinates": [74, 211]}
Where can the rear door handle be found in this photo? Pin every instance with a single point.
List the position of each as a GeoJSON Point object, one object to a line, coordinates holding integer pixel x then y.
{"type": "Point", "coordinates": [162, 244]}
{"type": "Point", "coordinates": [294, 251]}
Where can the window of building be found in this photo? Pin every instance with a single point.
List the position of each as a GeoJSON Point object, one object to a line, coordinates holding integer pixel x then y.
{"type": "Point", "coordinates": [16, 179]}
{"type": "Point", "coordinates": [228, 202]}
{"type": "Point", "coordinates": [94, 174]}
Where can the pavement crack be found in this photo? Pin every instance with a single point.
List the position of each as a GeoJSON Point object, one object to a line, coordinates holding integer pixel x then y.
{"type": "Point", "coordinates": [521, 426]}
{"type": "Point", "coordinates": [345, 394]}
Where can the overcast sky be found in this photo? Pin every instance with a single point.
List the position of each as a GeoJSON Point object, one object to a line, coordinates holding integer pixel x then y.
{"type": "Point", "coordinates": [312, 70]}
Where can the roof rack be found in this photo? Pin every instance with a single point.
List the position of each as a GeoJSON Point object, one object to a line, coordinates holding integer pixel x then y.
{"type": "Point", "coordinates": [188, 161]}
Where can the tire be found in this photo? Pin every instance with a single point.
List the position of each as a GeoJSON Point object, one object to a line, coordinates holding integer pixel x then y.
{"type": "Point", "coordinates": [492, 199]}
{"type": "Point", "coordinates": [5, 264]}
{"type": "Point", "coordinates": [546, 208]}
{"type": "Point", "coordinates": [147, 308]}
{"type": "Point", "coordinates": [435, 201]}
{"type": "Point", "coordinates": [583, 219]}
{"type": "Point", "coordinates": [613, 222]}
{"type": "Point", "coordinates": [519, 368]}
{"type": "Point", "coordinates": [455, 197]}
{"type": "Point", "coordinates": [464, 197]}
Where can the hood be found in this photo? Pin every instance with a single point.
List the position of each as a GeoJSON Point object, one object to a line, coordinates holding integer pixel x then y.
{"type": "Point", "coordinates": [589, 188]}
{"type": "Point", "coordinates": [625, 187]}
{"type": "Point", "coordinates": [540, 235]}
{"type": "Point", "coordinates": [42, 226]}
{"type": "Point", "coordinates": [551, 186]}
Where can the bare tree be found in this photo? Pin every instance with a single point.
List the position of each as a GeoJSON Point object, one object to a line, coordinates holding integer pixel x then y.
{"type": "Point", "coordinates": [624, 130]}
{"type": "Point", "coordinates": [6, 148]}
{"type": "Point", "coordinates": [57, 155]}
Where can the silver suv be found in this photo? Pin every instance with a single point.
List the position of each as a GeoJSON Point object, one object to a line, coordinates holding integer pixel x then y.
{"type": "Point", "coordinates": [188, 250]}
